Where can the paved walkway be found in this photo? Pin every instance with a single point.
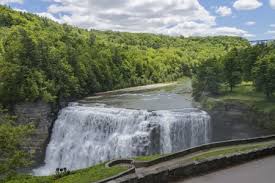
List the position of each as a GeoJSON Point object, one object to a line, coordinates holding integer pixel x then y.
{"type": "Point", "coordinates": [188, 158]}
{"type": "Point", "coordinates": [259, 171]}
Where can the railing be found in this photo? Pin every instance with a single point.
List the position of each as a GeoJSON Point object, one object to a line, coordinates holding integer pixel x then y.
{"type": "Point", "coordinates": [181, 170]}
{"type": "Point", "coordinates": [263, 41]}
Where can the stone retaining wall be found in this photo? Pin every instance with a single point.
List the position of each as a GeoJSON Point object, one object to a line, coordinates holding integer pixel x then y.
{"type": "Point", "coordinates": [230, 112]}
{"type": "Point", "coordinates": [119, 162]}
{"type": "Point", "coordinates": [131, 169]}
{"type": "Point", "coordinates": [139, 164]}
{"type": "Point", "coordinates": [190, 169]}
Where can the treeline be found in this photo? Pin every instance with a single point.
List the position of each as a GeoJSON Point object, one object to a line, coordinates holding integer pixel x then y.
{"type": "Point", "coordinates": [251, 64]}
{"type": "Point", "coordinates": [43, 60]}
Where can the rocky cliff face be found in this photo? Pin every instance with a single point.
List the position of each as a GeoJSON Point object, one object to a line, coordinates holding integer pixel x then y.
{"type": "Point", "coordinates": [234, 119]}
{"type": "Point", "coordinates": [40, 114]}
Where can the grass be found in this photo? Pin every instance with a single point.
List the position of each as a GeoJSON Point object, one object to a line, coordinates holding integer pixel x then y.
{"type": "Point", "coordinates": [231, 150]}
{"type": "Point", "coordinates": [149, 158]}
{"type": "Point", "coordinates": [88, 175]}
{"type": "Point", "coordinates": [261, 108]}
{"type": "Point", "coordinates": [100, 172]}
{"type": "Point", "coordinates": [246, 93]}
{"type": "Point", "coordinates": [214, 153]}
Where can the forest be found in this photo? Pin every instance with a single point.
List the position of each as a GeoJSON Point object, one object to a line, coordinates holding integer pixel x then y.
{"type": "Point", "coordinates": [43, 60]}
{"type": "Point", "coordinates": [252, 64]}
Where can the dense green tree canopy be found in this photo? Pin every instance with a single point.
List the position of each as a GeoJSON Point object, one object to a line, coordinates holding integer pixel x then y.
{"type": "Point", "coordinates": [208, 78]}
{"type": "Point", "coordinates": [254, 64]}
{"type": "Point", "coordinates": [232, 69]}
{"type": "Point", "coordinates": [41, 59]}
{"type": "Point", "coordinates": [264, 74]}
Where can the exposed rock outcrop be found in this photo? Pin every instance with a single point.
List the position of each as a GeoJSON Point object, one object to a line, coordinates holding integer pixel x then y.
{"type": "Point", "coordinates": [235, 119]}
{"type": "Point", "coordinates": [41, 115]}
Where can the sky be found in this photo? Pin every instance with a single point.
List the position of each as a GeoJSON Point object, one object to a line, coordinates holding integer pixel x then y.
{"type": "Point", "coordinates": [251, 19]}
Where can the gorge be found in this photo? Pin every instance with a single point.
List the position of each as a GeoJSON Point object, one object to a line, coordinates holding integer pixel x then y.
{"type": "Point", "coordinates": [131, 124]}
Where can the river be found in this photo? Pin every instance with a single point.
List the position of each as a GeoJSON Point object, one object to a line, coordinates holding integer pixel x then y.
{"type": "Point", "coordinates": [132, 123]}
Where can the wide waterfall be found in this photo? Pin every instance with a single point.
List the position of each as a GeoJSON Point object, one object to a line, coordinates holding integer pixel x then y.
{"type": "Point", "coordinates": [85, 135]}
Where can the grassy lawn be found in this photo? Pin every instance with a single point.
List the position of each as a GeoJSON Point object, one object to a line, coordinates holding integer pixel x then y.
{"type": "Point", "coordinates": [215, 153]}
{"type": "Point", "coordinates": [88, 175]}
{"type": "Point", "coordinates": [246, 93]}
{"type": "Point", "coordinates": [231, 150]}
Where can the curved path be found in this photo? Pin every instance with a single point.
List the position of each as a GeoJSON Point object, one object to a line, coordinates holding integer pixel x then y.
{"type": "Point", "coordinates": [259, 171]}
{"type": "Point", "coordinates": [190, 158]}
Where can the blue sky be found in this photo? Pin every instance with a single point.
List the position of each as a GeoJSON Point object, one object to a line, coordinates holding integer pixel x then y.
{"type": "Point", "coordinates": [252, 19]}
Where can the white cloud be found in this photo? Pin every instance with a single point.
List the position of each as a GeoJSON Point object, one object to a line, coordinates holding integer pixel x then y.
{"type": "Point", "coordinates": [250, 23]}
{"type": "Point", "coordinates": [272, 3]}
{"type": "Point", "coordinates": [173, 17]}
{"type": "Point", "coordinates": [10, 1]}
{"type": "Point", "coordinates": [232, 31]}
{"type": "Point", "coordinates": [224, 11]}
{"type": "Point", "coordinates": [270, 32]}
{"type": "Point", "coordinates": [272, 25]}
{"type": "Point", "coordinates": [247, 4]}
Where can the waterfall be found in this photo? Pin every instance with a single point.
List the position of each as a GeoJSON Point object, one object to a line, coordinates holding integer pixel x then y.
{"type": "Point", "coordinates": [86, 135]}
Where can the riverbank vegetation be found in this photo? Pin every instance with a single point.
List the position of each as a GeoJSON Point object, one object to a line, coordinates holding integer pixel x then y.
{"type": "Point", "coordinates": [245, 75]}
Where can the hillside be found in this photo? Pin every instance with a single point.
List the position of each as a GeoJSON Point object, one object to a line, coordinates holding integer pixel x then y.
{"type": "Point", "coordinates": [41, 59]}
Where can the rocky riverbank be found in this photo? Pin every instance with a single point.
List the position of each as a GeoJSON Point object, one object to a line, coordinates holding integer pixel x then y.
{"type": "Point", "coordinates": [238, 114]}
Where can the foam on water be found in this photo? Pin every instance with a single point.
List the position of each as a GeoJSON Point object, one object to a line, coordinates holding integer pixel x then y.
{"type": "Point", "coordinates": [85, 135]}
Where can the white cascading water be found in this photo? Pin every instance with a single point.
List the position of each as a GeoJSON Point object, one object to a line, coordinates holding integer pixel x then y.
{"type": "Point", "coordinates": [83, 136]}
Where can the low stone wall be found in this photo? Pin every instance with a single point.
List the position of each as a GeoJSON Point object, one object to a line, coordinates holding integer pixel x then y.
{"type": "Point", "coordinates": [139, 164]}
{"type": "Point", "coordinates": [190, 169]}
{"type": "Point", "coordinates": [213, 164]}
{"type": "Point", "coordinates": [131, 169]}
{"type": "Point", "coordinates": [119, 162]}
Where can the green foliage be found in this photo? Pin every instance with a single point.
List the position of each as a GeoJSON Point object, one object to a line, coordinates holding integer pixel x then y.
{"type": "Point", "coordinates": [43, 60]}
{"type": "Point", "coordinates": [248, 58]}
{"type": "Point", "coordinates": [232, 69]}
{"type": "Point", "coordinates": [12, 137]}
{"type": "Point", "coordinates": [253, 64]}
{"type": "Point", "coordinates": [264, 74]}
{"type": "Point", "coordinates": [208, 78]}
